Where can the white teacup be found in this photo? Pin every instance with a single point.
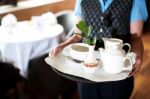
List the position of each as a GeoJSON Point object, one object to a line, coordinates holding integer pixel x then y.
{"type": "Point", "coordinates": [79, 51]}
{"type": "Point", "coordinates": [117, 63]}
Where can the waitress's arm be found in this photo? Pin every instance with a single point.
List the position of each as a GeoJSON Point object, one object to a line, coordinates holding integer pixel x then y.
{"type": "Point", "coordinates": [76, 37]}
{"type": "Point", "coordinates": [136, 29]}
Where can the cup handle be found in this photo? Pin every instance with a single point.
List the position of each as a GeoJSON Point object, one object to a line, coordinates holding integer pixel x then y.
{"type": "Point", "coordinates": [127, 44]}
{"type": "Point", "coordinates": [130, 65]}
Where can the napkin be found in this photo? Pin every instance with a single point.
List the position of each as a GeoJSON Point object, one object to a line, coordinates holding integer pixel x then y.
{"type": "Point", "coordinates": [44, 21]}
{"type": "Point", "coordinates": [47, 19]}
{"type": "Point", "coordinates": [9, 20]}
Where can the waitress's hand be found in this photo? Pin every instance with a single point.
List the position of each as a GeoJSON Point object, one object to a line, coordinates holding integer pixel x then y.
{"type": "Point", "coordinates": [136, 30]}
{"type": "Point", "coordinates": [56, 50]}
{"type": "Point", "coordinates": [136, 66]}
{"type": "Point", "coordinates": [73, 39]}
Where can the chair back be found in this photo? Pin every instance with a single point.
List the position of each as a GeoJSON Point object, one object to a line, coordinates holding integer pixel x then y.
{"type": "Point", "coordinates": [67, 19]}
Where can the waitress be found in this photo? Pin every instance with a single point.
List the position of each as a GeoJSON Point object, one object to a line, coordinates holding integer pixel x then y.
{"type": "Point", "coordinates": [123, 19]}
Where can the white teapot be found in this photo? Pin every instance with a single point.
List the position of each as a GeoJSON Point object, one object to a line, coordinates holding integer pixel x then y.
{"type": "Point", "coordinates": [114, 58]}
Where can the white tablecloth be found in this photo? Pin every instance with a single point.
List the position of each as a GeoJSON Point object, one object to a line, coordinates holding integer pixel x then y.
{"type": "Point", "coordinates": [21, 45]}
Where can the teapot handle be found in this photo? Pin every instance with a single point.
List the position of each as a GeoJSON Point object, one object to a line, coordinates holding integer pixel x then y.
{"type": "Point", "coordinates": [127, 44]}
{"type": "Point", "coordinates": [130, 65]}
{"type": "Point", "coordinates": [133, 56]}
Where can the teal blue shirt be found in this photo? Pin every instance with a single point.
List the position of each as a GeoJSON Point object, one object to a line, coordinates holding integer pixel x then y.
{"type": "Point", "coordinates": [139, 9]}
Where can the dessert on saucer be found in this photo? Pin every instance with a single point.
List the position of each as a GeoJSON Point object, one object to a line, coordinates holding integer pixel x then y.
{"type": "Point", "coordinates": [90, 65]}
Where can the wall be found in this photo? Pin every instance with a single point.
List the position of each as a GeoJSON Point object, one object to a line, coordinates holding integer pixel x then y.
{"type": "Point", "coordinates": [25, 14]}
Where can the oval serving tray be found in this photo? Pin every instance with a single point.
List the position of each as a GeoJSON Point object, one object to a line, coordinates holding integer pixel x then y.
{"type": "Point", "coordinates": [74, 71]}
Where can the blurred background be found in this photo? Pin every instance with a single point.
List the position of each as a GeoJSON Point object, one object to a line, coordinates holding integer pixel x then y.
{"type": "Point", "coordinates": [31, 77]}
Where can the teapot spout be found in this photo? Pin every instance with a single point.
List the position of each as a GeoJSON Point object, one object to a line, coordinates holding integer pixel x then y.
{"type": "Point", "coordinates": [104, 39]}
{"type": "Point", "coordinates": [101, 50]}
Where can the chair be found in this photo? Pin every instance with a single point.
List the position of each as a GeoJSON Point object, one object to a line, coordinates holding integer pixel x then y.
{"type": "Point", "coordinates": [9, 78]}
{"type": "Point", "coordinates": [67, 19]}
{"type": "Point", "coordinates": [45, 83]}
{"type": "Point", "coordinates": [43, 80]}
{"type": "Point", "coordinates": [6, 2]}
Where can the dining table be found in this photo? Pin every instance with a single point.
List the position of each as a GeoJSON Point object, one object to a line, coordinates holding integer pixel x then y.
{"type": "Point", "coordinates": [24, 41]}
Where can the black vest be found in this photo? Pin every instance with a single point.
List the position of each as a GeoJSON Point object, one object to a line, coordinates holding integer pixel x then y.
{"type": "Point", "coordinates": [114, 22]}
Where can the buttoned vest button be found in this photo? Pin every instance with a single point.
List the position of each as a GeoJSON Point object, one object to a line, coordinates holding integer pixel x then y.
{"type": "Point", "coordinates": [102, 18]}
{"type": "Point", "coordinates": [101, 30]}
